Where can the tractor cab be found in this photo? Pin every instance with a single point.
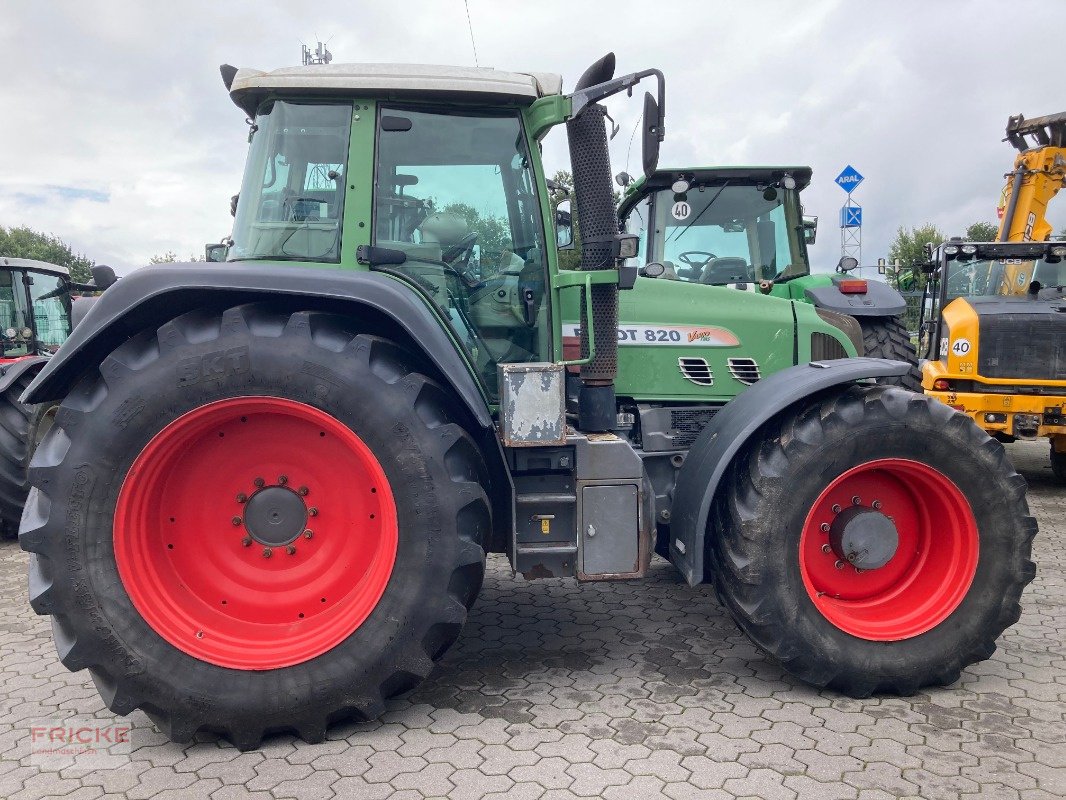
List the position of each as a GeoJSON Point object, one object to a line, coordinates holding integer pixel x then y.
{"type": "Point", "coordinates": [35, 306]}
{"type": "Point", "coordinates": [722, 226]}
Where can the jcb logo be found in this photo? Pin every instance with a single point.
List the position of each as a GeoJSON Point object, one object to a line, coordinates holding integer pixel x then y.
{"type": "Point", "coordinates": [213, 366]}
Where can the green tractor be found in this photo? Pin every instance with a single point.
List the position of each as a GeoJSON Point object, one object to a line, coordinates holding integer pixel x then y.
{"type": "Point", "coordinates": [744, 227]}
{"type": "Point", "coordinates": [267, 498]}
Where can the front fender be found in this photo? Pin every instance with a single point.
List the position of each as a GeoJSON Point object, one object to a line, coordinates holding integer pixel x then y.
{"type": "Point", "coordinates": [154, 295]}
{"type": "Point", "coordinates": [879, 300]}
{"type": "Point", "coordinates": [731, 428]}
{"type": "Point", "coordinates": [9, 373]}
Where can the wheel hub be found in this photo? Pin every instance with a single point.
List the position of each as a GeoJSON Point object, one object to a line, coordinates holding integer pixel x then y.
{"type": "Point", "coordinates": [275, 516]}
{"type": "Point", "coordinates": [863, 537]}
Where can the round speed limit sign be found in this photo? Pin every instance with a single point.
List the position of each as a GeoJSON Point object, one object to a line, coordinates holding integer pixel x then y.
{"type": "Point", "coordinates": [960, 347]}
{"type": "Point", "coordinates": [681, 210]}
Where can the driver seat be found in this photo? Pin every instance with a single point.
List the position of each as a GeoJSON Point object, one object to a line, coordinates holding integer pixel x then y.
{"type": "Point", "coordinates": [727, 269]}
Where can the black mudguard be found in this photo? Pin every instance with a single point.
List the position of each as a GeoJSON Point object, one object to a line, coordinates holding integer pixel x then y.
{"type": "Point", "coordinates": [9, 373]}
{"type": "Point", "coordinates": [151, 296]}
{"type": "Point", "coordinates": [880, 299]}
{"type": "Point", "coordinates": [731, 428]}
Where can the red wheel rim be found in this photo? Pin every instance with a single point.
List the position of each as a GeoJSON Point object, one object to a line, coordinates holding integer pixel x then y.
{"type": "Point", "coordinates": [200, 495]}
{"type": "Point", "coordinates": [933, 565]}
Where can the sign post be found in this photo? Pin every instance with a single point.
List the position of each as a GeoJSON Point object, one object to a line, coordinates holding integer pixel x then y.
{"type": "Point", "coordinates": [850, 216]}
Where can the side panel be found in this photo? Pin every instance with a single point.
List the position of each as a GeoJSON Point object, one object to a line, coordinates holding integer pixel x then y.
{"type": "Point", "coordinates": [731, 428]}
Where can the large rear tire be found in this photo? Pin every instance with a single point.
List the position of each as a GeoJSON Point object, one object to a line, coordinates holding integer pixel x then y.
{"type": "Point", "coordinates": [255, 522]}
{"type": "Point", "coordinates": [887, 337]}
{"type": "Point", "coordinates": [21, 428]}
{"type": "Point", "coordinates": [905, 466]}
{"type": "Point", "coordinates": [1058, 464]}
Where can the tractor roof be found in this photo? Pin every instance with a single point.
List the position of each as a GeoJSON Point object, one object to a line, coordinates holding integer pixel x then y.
{"type": "Point", "coordinates": [29, 263]}
{"type": "Point", "coordinates": [249, 87]}
{"type": "Point", "coordinates": [710, 176]}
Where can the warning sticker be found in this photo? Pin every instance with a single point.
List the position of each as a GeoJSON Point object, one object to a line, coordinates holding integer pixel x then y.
{"type": "Point", "coordinates": [681, 209]}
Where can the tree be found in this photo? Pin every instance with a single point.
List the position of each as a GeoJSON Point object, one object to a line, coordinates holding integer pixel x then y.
{"type": "Point", "coordinates": [909, 250]}
{"type": "Point", "coordinates": [24, 242]}
{"type": "Point", "coordinates": [982, 232]}
{"type": "Point", "coordinates": [170, 257]}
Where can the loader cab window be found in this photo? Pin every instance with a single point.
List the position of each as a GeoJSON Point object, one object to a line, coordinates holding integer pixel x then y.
{"type": "Point", "coordinates": [727, 234]}
{"type": "Point", "coordinates": [456, 193]}
{"type": "Point", "coordinates": [292, 197]}
{"type": "Point", "coordinates": [50, 302]}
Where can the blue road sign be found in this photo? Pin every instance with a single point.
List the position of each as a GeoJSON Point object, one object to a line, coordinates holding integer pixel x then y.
{"type": "Point", "coordinates": [849, 179]}
{"type": "Point", "coordinates": [851, 217]}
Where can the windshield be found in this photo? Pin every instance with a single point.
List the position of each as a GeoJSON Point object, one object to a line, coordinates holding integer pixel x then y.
{"type": "Point", "coordinates": [17, 337]}
{"type": "Point", "coordinates": [456, 193]}
{"type": "Point", "coordinates": [724, 234]}
{"type": "Point", "coordinates": [1009, 277]}
{"type": "Point", "coordinates": [292, 197]}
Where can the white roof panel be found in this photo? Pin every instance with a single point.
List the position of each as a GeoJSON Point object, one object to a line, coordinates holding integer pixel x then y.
{"type": "Point", "coordinates": [251, 85]}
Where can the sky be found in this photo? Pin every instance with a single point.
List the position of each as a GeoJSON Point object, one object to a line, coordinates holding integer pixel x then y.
{"type": "Point", "coordinates": [118, 136]}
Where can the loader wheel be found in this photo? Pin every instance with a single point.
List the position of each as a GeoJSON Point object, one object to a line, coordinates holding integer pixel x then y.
{"type": "Point", "coordinates": [887, 337]}
{"type": "Point", "coordinates": [21, 427]}
{"type": "Point", "coordinates": [1058, 463]}
{"type": "Point", "coordinates": [874, 541]}
{"type": "Point", "coordinates": [256, 522]}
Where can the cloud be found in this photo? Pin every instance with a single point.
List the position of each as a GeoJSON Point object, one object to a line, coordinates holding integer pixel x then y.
{"type": "Point", "coordinates": [120, 139]}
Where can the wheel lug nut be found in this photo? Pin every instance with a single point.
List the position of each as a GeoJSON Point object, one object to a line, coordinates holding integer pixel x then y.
{"type": "Point", "coordinates": [825, 527]}
{"type": "Point", "coordinates": [877, 505]}
{"type": "Point", "coordinates": [836, 508]}
{"type": "Point", "coordinates": [839, 564]}
{"type": "Point", "coordinates": [290, 550]}
{"type": "Point", "coordinates": [303, 490]}
{"type": "Point", "coordinates": [259, 482]}
{"type": "Point", "coordinates": [236, 520]}
{"type": "Point", "coordinates": [855, 501]}
{"type": "Point", "coordinates": [826, 548]}
{"type": "Point", "coordinates": [312, 512]}
{"type": "Point", "coordinates": [247, 541]}
{"type": "Point", "coordinates": [308, 533]}
{"type": "Point", "coordinates": [242, 498]}
{"type": "Point", "coordinates": [267, 553]}
{"type": "Point", "coordinates": [283, 479]}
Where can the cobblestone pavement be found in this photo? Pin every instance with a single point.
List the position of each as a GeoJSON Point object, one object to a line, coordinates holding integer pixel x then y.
{"type": "Point", "coordinates": [618, 690]}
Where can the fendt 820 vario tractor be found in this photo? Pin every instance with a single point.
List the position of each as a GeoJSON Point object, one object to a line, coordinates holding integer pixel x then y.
{"type": "Point", "coordinates": [35, 319]}
{"type": "Point", "coordinates": [271, 484]}
{"type": "Point", "coordinates": [744, 227]}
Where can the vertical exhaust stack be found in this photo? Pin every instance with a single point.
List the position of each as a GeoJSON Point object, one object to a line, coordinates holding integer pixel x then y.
{"type": "Point", "coordinates": [591, 165]}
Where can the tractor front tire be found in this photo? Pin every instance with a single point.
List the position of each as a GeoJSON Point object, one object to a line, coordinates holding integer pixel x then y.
{"type": "Point", "coordinates": [887, 337]}
{"type": "Point", "coordinates": [256, 521]}
{"type": "Point", "coordinates": [874, 541]}
{"type": "Point", "coordinates": [20, 429]}
{"type": "Point", "coordinates": [1058, 464]}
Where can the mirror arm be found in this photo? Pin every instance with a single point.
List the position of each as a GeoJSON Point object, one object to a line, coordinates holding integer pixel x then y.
{"type": "Point", "coordinates": [582, 98]}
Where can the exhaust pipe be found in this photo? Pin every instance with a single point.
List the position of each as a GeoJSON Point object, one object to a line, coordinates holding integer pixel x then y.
{"type": "Point", "coordinates": [591, 165]}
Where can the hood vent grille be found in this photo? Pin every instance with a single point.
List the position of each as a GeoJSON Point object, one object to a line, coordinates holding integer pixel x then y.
{"type": "Point", "coordinates": [744, 370]}
{"type": "Point", "coordinates": [696, 370]}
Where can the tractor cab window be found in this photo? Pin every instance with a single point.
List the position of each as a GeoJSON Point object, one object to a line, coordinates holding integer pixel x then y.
{"type": "Point", "coordinates": [292, 197]}
{"type": "Point", "coordinates": [50, 299]}
{"type": "Point", "coordinates": [729, 234]}
{"type": "Point", "coordinates": [456, 194]}
{"type": "Point", "coordinates": [16, 335]}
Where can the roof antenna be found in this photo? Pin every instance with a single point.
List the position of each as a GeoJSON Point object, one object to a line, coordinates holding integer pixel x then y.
{"type": "Point", "coordinates": [470, 25]}
{"type": "Point", "coordinates": [320, 55]}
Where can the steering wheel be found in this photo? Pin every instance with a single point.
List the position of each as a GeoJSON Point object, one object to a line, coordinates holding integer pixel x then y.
{"type": "Point", "coordinates": [464, 248]}
{"type": "Point", "coordinates": [695, 265]}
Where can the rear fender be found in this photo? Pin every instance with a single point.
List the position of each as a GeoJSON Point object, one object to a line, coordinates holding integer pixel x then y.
{"type": "Point", "coordinates": [731, 428]}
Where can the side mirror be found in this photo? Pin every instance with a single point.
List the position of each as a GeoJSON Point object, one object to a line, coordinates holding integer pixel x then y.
{"type": "Point", "coordinates": [847, 263]}
{"type": "Point", "coordinates": [215, 251]}
{"type": "Point", "coordinates": [653, 124]}
{"type": "Point", "coordinates": [810, 229]}
{"type": "Point", "coordinates": [564, 225]}
{"type": "Point", "coordinates": [103, 276]}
